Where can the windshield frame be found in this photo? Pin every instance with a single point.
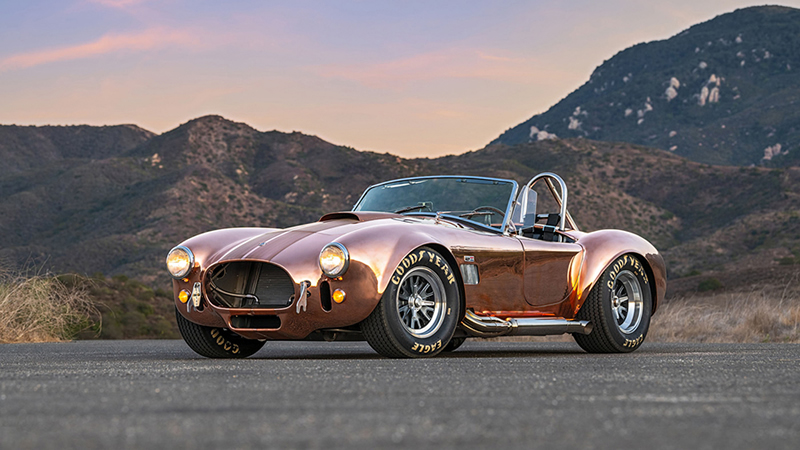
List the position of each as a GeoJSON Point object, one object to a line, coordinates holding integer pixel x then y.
{"type": "Point", "coordinates": [509, 206]}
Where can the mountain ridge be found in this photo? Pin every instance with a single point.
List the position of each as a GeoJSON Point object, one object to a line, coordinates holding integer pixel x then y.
{"type": "Point", "coordinates": [119, 215]}
{"type": "Point", "coordinates": [723, 92]}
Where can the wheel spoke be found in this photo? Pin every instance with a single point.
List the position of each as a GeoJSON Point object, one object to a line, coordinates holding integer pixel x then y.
{"type": "Point", "coordinates": [627, 323]}
{"type": "Point", "coordinates": [427, 312]}
{"type": "Point", "coordinates": [424, 292]}
{"type": "Point", "coordinates": [623, 299]}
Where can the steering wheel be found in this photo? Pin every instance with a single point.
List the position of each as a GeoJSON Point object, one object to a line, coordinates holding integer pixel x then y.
{"type": "Point", "coordinates": [480, 209]}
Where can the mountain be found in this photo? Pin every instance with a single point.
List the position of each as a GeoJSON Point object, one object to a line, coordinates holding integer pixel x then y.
{"type": "Point", "coordinates": [25, 148]}
{"type": "Point", "coordinates": [726, 92]}
{"type": "Point", "coordinates": [118, 209]}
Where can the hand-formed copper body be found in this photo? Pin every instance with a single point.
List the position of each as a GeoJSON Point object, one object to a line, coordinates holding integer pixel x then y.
{"type": "Point", "coordinates": [518, 276]}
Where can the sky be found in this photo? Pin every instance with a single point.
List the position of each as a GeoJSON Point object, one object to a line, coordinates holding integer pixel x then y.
{"type": "Point", "coordinates": [412, 78]}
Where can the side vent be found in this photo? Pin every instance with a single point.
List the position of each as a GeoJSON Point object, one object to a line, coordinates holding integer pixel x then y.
{"type": "Point", "coordinates": [469, 272]}
{"type": "Point", "coordinates": [325, 295]}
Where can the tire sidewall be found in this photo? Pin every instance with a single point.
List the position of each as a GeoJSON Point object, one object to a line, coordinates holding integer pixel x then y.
{"type": "Point", "coordinates": [431, 345]}
{"type": "Point", "coordinates": [623, 341]}
{"type": "Point", "coordinates": [227, 341]}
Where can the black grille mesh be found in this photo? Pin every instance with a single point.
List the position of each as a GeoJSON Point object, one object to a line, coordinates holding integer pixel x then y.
{"type": "Point", "coordinates": [274, 288]}
{"type": "Point", "coordinates": [250, 284]}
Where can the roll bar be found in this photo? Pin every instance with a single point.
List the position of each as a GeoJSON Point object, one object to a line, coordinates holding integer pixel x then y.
{"type": "Point", "coordinates": [561, 199]}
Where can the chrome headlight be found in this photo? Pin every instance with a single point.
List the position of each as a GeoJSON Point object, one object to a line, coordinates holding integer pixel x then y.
{"type": "Point", "coordinates": [180, 261]}
{"type": "Point", "coordinates": [334, 260]}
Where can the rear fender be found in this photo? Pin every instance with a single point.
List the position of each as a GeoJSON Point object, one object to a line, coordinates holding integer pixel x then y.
{"type": "Point", "coordinates": [604, 246]}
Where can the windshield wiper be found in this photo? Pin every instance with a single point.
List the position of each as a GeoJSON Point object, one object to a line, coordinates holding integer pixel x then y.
{"type": "Point", "coordinates": [410, 208]}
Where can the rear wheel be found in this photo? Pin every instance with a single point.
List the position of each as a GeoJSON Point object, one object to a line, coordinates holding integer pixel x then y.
{"type": "Point", "coordinates": [619, 307]}
{"type": "Point", "coordinates": [214, 342]}
{"type": "Point", "coordinates": [419, 311]}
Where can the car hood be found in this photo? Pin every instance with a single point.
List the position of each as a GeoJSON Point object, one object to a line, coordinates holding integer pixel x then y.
{"type": "Point", "coordinates": [369, 236]}
{"type": "Point", "coordinates": [273, 244]}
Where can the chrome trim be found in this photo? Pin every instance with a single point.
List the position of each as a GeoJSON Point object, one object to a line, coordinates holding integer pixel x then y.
{"type": "Point", "coordinates": [346, 259]}
{"type": "Point", "coordinates": [196, 295]}
{"type": "Point", "coordinates": [302, 302]}
{"type": "Point", "coordinates": [507, 224]}
{"type": "Point", "coordinates": [490, 326]}
{"type": "Point", "coordinates": [191, 261]}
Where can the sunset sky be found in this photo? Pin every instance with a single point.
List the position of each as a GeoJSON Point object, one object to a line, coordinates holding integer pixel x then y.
{"type": "Point", "coordinates": [414, 78]}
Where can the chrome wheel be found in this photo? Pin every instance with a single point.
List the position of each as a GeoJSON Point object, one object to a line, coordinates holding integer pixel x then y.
{"type": "Point", "coordinates": [421, 302]}
{"type": "Point", "coordinates": [627, 302]}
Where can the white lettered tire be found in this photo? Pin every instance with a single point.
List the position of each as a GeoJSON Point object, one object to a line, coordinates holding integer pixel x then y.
{"type": "Point", "coordinates": [419, 310]}
{"type": "Point", "coordinates": [619, 307]}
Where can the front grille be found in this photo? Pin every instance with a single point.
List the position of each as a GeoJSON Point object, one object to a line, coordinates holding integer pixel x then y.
{"type": "Point", "coordinates": [249, 284]}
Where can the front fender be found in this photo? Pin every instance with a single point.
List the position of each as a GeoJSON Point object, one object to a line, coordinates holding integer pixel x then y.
{"type": "Point", "coordinates": [382, 248]}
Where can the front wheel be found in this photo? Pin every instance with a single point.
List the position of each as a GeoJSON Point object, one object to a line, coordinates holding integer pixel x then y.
{"type": "Point", "coordinates": [419, 310]}
{"type": "Point", "coordinates": [214, 342]}
{"type": "Point", "coordinates": [619, 306]}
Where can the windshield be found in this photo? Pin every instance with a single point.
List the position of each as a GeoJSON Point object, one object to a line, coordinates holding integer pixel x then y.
{"type": "Point", "coordinates": [480, 200]}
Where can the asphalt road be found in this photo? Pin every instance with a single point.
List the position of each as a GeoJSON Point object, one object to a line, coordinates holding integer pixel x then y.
{"type": "Point", "coordinates": [159, 394]}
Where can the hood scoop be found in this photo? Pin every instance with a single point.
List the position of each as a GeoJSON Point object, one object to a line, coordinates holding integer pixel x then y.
{"type": "Point", "coordinates": [361, 216]}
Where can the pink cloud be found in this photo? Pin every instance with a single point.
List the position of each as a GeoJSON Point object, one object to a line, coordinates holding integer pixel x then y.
{"type": "Point", "coordinates": [110, 43]}
{"type": "Point", "coordinates": [118, 3]}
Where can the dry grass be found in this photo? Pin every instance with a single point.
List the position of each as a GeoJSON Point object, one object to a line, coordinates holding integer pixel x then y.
{"type": "Point", "coordinates": [761, 315]}
{"type": "Point", "coordinates": [728, 317]}
{"type": "Point", "coordinates": [41, 308]}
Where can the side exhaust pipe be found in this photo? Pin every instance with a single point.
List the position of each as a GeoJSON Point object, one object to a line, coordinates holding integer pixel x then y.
{"type": "Point", "coordinates": [489, 326]}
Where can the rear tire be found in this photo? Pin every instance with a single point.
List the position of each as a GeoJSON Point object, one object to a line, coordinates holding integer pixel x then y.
{"type": "Point", "coordinates": [619, 307]}
{"type": "Point", "coordinates": [419, 310]}
{"type": "Point", "coordinates": [214, 342]}
{"type": "Point", "coordinates": [454, 344]}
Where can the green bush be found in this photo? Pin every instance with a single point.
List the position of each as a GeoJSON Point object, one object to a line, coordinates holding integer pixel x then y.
{"type": "Point", "coordinates": [709, 284]}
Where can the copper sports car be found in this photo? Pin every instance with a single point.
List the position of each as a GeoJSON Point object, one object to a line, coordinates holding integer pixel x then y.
{"type": "Point", "coordinates": [419, 265]}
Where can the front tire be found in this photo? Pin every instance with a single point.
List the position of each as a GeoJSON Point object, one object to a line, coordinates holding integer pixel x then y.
{"type": "Point", "coordinates": [419, 310]}
{"type": "Point", "coordinates": [213, 342]}
{"type": "Point", "coordinates": [619, 307]}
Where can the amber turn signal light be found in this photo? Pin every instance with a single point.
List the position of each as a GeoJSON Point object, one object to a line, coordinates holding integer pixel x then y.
{"type": "Point", "coordinates": [183, 296]}
{"type": "Point", "coordinates": [338, 296]}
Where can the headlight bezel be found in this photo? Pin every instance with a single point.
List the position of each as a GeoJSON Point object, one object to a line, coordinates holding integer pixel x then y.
{"type": "Point", "coordinates": [345, 256]}
{"type": "Point", "coordinates": [184, 273]}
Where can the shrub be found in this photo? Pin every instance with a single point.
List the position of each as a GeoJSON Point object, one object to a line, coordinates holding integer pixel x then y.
{"type": "Point", "coordinates": [43, 308]}
{"type": "Point", "coordinates": [709, 284]}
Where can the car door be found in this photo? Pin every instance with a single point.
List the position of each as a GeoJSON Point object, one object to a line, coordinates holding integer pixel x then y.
{"type": "Point", "coordinates": [546, 277]}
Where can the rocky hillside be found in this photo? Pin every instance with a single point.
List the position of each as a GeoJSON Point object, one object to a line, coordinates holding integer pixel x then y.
{"type": "Point", "coordinates": [120, 211]}
{"type": "Point", "coordinates": [726, 91]}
